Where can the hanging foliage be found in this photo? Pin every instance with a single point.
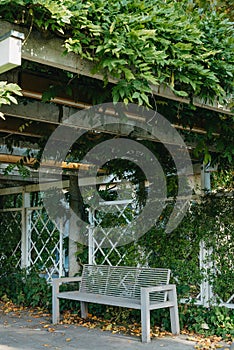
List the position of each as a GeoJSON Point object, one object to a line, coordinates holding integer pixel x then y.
{"type": "Point", "coordinates": [140, 43]}
{"type": "Point", "coordinates": [177, 44]}
{"type": "Point", "coordinates": [6, 94]}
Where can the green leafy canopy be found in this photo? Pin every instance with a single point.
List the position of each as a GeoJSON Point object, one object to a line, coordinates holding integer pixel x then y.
{"type": "Point", "coordinates": [140, 43]}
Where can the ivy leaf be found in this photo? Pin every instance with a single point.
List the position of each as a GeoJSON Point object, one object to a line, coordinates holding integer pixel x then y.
{"type": "Point", "coordinates": [2, 116]}
{"type": "Point", "coordinates": [135, 95]}
{"type": "Point", "coordinates": [180, 93]}
{"type": "Point", "coordinates": [12, 99]}
{"type": "Point", "coordinates": [207, 158]}
{"type": "Point", "coordinates": [112, 27]}
{"type": "Point", "coordinates": [145, 98]}
{"type": "Point", "coordinates": [99, 49]}
{"type": "Point", "coordinates": [128, 74]}
{"type": "Point", "coordinates": [6, 92]}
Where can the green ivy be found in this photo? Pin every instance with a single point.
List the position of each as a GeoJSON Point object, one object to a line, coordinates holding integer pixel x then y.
{"type": "Point", "coordinates": [24, 288]}
{"type": "Point", "coordinates": [217, 321]}
{"type": "Point", "coordinates": [174, 43]}
{"type": "Point", "coordinates": [211, 220]}
{"type": "Point", "coordinates": [140, 43]}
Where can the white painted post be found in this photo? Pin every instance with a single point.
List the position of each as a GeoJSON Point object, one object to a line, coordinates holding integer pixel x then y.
{"type": "Point", "coordinates": [91, 240]}
{"type": "Point", "coordinates": [25, 230]}
{"type": "Point", "coordinates": [203, 267]}
{"type": "Point", "coordinates": [61, 255]}
{"type": "Point", "coordinates": [205, 263]}
{"type": "Point", "coordinates": [205, 178]}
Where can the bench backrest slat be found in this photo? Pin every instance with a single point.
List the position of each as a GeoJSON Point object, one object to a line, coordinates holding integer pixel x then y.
{"type": "Point", "coordinates": [123, 281]}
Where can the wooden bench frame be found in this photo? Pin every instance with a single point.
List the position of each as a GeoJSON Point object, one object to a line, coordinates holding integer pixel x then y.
{"type": "Point", "coordinates": [144, 303]}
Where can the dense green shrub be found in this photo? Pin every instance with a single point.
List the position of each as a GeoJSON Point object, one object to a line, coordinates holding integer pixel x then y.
{"type": "Point", "coordinates": [26, 288]}
{"type": "Point", "coordinates": [208, 321]}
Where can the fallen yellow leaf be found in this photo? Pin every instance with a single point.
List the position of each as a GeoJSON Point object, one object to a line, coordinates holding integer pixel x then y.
{"type": "Point", "coordinates": [51, 330]}
{"type": "Point", "coordinates": [108, 327]}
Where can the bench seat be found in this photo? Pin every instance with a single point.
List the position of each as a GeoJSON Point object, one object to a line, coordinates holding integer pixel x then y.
{"type": "Point", "coordinates": [109, 300]}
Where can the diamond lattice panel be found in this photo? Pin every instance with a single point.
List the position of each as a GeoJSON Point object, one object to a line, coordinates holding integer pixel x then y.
{"type": "Point", "coordinates": [121, 215]}
{"type": "Point", "coordinates": [44, 243]}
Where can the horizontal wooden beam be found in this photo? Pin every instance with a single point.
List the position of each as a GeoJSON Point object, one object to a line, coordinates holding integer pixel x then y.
{"type": "Point", "coordinates": [86, 181]}
{"type": "Point", "coordinates": [13, 159]}
{"type": "Point", "coordinates": [57, 100]}
{"type": "Point", "coordinates": [33, 188]}
{"type": "Point", "coordinates": [18, 132]}
{"type": "Point", "coordinates": [50, 113]}
{"type": "Point", "coordinates": [50, 51]}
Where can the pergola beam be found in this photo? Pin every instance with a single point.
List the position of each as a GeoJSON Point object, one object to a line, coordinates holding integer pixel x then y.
{"type": "Point", "coordinates": [50, 51]}
{"type": "Point", "coordinates": [51, 113]}
{"type": "Point", "coordinates": [33, 188]}
{"type": "Point", "coordinates": [86, 181]}
{"type": "Point", "coordinates": [10, 158]}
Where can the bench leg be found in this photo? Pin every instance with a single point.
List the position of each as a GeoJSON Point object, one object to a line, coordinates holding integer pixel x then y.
{"type": "Point", "coordinates": [55, 310]}
{"type": "Point", "coordinates": [84, 309]}
{"type": "Point", "coordinates": [145, 326]}
{"type": "Point", "coordinates": [174, 315]}
{"type": "Point", "coordinates": [145, 317]}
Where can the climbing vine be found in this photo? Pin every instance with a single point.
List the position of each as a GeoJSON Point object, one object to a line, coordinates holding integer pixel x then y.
{"type": "Point", "coordinates": [140, 43]}
{"type": "Point", "coordinates": [209, 220]}
{"type": "Point", "coordinates": [185, 46]}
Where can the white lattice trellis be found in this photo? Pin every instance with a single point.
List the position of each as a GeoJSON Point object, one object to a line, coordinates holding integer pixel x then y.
{"type": "Point", "coordinates": [45, 243]}
{"type": "Point", "coordinates": [33, 240]}
{"type": "Point", "coordinates": [98, 251]}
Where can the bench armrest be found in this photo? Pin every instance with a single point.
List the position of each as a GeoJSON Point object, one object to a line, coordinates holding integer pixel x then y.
{"type": "Point", "coordinates": [164, 288]}
{"type": "Point", "coordinates": [170, 289]}
{"type": "Point", "coordinates": [66, 280]}
{"type": "Point", "coordinates": [57, 281]}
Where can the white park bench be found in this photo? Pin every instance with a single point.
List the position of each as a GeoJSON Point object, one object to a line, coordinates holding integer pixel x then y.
{"type": "Point", "coordinates": [132, 287]}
